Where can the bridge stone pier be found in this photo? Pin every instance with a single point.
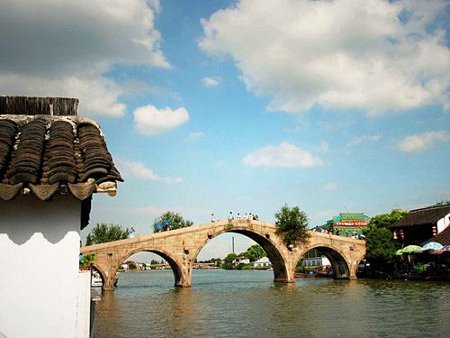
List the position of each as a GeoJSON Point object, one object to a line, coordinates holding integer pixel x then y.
{"type": "Point", "coordinates": [181, 247]}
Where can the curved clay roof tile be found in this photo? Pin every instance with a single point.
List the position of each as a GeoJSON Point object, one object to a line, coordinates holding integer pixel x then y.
{"type": "Point", "coordinates": [44, 152]}
{"type": "Point", "coordinates": [44, 191]}
{"type": "Point", "coordinates": [8, 192]}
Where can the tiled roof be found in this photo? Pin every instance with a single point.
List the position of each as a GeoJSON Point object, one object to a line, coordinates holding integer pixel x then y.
{"type": "Point", "coordinates": [351, 216]}
{"type": "Point", "coordinates": [429, 215]}
{"type": "Point", "coordinates": [46, 154]}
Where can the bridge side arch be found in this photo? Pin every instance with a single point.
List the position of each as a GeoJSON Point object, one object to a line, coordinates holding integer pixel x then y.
{"type": "Point", "coordinates": [101, 271]}
{"type": "Point", "coordinates": [176, 266]}
{"type": "Point", "coordinates": [278, 260]}
{"type": "Point", "coordinates": [338, 259]}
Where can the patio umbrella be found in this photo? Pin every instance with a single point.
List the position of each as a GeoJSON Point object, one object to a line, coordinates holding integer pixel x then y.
{"type": "Point", "coordinates": [412, 249]}
{"type": "Point", "coordinates": [399, 252]}
{"type": "Point", "coordinates": [433, 246]}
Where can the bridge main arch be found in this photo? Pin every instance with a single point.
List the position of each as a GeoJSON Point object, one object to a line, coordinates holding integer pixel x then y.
{"type": "Point", "coordinates": [266, 239]}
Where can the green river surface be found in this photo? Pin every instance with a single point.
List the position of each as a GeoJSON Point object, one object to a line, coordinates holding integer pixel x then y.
{"type": "Point", "coordinates": [249, 304]}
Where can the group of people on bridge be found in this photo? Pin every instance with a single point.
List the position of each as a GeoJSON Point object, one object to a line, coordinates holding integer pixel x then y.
{"type": "Point", "coordinates": [245, 216]}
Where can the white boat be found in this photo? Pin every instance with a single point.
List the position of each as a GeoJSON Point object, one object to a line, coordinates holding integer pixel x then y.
{"type": "Point", "coordinates": [96, 279]}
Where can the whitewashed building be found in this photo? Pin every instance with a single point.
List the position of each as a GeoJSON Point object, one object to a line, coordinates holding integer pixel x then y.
{"type": "Point", "coordinates": [262, 263]}
{"type": "Point", "coordinates": [51, 162]}
{"type": "Point", "coordinates": [241, 260]}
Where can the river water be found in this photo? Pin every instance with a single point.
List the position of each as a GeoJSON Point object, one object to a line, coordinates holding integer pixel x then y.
{"type": "Point", "coordinates": [248, 304]}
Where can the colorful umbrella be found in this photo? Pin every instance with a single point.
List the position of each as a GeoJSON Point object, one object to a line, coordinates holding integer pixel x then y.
{"type": "Point", "coordinates": [445, 248]}
{"type": "Point", "coordinates": [412, 249]}
{"type": "Point", "coordinates": [433, 246]}
{"type": "Point", "coordinates": [399, 252]}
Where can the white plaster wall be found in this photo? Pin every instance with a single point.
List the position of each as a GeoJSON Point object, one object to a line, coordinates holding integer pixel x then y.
{"type": "Point", "coordinates": [84, 303]}
{"type": "Point", "coordinates": [39, 246]}
{"type": "Point", "coordinates": [443, 223]}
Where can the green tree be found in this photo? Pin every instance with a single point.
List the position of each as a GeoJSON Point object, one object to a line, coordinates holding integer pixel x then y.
{"type": "Point", "coordinates": [87, 261]}
{"type": "Point", "coordinates": [380, 244]}
{"type": "Point", "coordinates": [103, 233]}
{"type": "Point", "coordinates": [242, 266]}
{"type": "Point", "coordinates": [291, 225]}
{"type": "Point", "coordinates": [386, 220]}
{"type": "Point", "coordinates": [228, 261]}
{"type": "Point", "coordinates": [171, 218]}
{"type": "Point", "coordinates": [254, 253]}
{"type": "Point", "coordinates": [89, 240]}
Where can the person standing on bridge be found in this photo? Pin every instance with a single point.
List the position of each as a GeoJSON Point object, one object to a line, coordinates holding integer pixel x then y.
{"type": "Point", "coordinates": [230, 216]}
{"type": "Point", "coordinates": [213, 218]}
{"type": "Point", "coordinates": [167, 225]}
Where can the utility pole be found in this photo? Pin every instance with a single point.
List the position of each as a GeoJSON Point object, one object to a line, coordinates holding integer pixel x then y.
{"type": "Point", "coordinates": [232, 244]}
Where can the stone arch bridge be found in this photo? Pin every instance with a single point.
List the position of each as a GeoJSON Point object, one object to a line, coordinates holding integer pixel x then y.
{"type": "Point", "coordinates": [181, 247]}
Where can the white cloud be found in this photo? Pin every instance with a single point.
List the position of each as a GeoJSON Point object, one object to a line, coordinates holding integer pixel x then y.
{"type": "Point", "coordinates": [64, 48]}
{"type": "Point", "coordinates": [284, 155]}
{"type": "Point", "coordinates": [423, 141]}
{"type": "Point", "coordinates": [374, 55]}
{"type": "Point", "coordinates": [324, 147]}
{"type": "Point", "coordinates": [150, 120]}
{"type": "Point", "coordinates": [140, 171]}
{"type": "Point", "coordinates": [364, 139]}
{"type": "Point", "coordinates": [331, 186]}
{"type": "Point", "coordinates": [210, 81]}
{"type": "Point", "coordinates": [196, 135]}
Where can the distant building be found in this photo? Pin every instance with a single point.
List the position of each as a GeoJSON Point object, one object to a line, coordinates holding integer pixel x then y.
{"type": "Point", "coordinates": [347, 224]}
{"type": "Point", "coordinates": [318, 262]}
{"type": "Point", "coordinates": [241, 260]}
{"type": "Point", "coordinates": [424, 224]}
{"type": "Point", "coordinates": [314, 260]}
{"type": "Point", "coordinates": [262, 263]}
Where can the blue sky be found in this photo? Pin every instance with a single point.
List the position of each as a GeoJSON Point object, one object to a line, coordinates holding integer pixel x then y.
{"type": "Point", "coordinates": [243, 106]}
